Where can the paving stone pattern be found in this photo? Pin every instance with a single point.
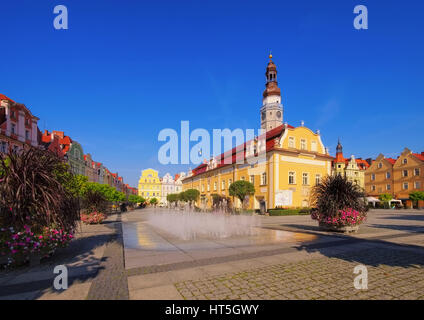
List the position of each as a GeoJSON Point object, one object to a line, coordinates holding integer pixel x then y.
{"type": "Point", "coordinates": [392, 274]}
{"type": "Point", "coordinates": [111, 283]}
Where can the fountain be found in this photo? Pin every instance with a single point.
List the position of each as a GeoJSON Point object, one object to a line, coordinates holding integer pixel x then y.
{"type": "Point", "coordinates": [189, 225]}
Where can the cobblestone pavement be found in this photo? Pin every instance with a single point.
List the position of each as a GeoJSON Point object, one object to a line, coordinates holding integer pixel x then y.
{"type": "Point", "coordinates": [390, 244]}
{"type": "Point", "coordinates": [111, 282]}
{"type": "Point", "coordinates": [392, 274]}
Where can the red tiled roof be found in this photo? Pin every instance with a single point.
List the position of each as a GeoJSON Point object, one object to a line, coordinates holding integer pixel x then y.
{"type": "Point", "coordinates": [391, 160]}
{"type": "Point", "coordinates": [235, 153]}
{"type": "Point", "coordinates": [3, 97]}
{"type": "Point", "coordinates": [362, 164]}
{"type": "Point", "coordinates": [419, 156]}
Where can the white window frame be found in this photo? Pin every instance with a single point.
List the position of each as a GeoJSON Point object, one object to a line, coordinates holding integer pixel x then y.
{"type": "Point", "coordinates": [303, 144]}
{"type": "Point", "coordinates": [263, 179]}
{"type": "Point", "coordinates": [292, 174]}
{"type": "Point", "coordinates": [317, 179]}
{"type": "Point", "coordinates": [305, 175]}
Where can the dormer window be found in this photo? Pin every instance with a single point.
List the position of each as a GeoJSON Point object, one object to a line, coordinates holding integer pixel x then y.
{"type": "Point", "coordinates": [291, 142]}
{"type": "Point", "coordinates": [303, 144]}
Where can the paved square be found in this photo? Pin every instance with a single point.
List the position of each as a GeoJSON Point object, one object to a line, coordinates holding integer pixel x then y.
{"type": "Point", "coordinates": [288, 258]}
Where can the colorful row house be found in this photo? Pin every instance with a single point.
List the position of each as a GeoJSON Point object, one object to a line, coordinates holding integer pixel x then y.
{"type": "Point", "coordinates": [398, 177]}
{"type": "Point", "coordinates": [18, 128]}
{"type": "Point", "coordinates": [151, 185]}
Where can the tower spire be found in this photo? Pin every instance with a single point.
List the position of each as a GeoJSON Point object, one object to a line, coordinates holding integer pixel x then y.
{"type": "Point", "coordinates": [272, 110]}
{"type": "Point", "coordinates": [339, 152]}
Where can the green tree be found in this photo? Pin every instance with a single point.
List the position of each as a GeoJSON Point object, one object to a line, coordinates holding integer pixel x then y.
{"type": "Point", "coordinates": [385, 198]}
{"type": "Point", "coordinates": [182, 196]}
{"type": "Point", "coordinates": [416, 196]}
{"type": "Point", "coordinates": [134, 199]}
{"type": "Point", "coordinates": [241, 189]}
{"type": "Point", "coordinates": [191, 195]}
{"type": "Point", "coordinates": [75, 184]}
{"type": "Point", "coordinates": [153, 201]}
{"type": "Point", "coordinates": [172, 198]}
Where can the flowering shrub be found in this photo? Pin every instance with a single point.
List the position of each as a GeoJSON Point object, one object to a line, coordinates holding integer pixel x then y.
{"type": "Point", "coordinates": [17, 246]}
{"type": "Point", "coordinates": [93, 217]}
{"type": "Point", "coordinates": [347, 217]}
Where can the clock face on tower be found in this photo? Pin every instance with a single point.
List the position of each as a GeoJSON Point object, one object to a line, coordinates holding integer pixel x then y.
{"type": "Point", "coordinates": [263, 115]}
{"type": "Point", "coordinates": [278, 114]}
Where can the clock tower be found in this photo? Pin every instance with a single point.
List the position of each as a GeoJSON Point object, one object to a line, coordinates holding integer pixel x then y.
{"type": "Point", "coordinates": [272, 109]}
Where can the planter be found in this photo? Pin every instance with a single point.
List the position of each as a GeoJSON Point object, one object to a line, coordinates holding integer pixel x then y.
{"type": "Point", "coordinates": [408, 204]}
{"type": "Point", "coordinates": [420, 204]}
{"type": "Point", "coordinates": [343, 229]}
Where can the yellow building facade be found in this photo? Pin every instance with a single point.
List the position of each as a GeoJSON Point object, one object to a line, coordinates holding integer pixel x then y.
{"type": "Point", "coordinates": [149, 185]}
{"type": "Point", "coordinates": [295, 159]}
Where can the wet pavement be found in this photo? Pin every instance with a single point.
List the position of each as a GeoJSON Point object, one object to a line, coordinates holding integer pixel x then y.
{"type": "Point", "coordinates": [145, 245]}
{"type": "Point", "coordinates": [285, 258]}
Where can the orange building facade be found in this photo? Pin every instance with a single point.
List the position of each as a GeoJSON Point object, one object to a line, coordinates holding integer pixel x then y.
{"type": "Point", "coordinates": [398, 177]}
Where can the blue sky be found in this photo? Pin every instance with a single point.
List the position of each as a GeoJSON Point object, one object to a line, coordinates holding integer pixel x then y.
{"type": "Point", "coordinates": [125, 69]}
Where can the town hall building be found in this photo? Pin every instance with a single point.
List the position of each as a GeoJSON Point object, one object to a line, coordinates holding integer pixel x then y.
{"type": "Point", "coordinates": [295, 159]}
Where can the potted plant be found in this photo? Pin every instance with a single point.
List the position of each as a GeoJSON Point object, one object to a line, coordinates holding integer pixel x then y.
{"type": "Point", "coordinates": [339, 205]}
{"type": "Point", "coordinates": [38, 212]}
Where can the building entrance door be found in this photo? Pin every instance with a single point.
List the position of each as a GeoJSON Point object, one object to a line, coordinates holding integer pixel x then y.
{"type": "Point", "coordinates": [262, 206]}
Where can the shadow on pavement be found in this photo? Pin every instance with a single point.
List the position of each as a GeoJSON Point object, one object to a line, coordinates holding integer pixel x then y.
{"type": "Point", "coordinates": [375, 253]}
{"type": "Point", "coordinates": [414, 229]}
{"type": "Point", "coordinates": [80, 250]}
{"type": "Point", "coordinates": [406, 217]}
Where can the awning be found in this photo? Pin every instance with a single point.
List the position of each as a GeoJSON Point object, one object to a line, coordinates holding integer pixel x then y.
{"type": "Point", "coordinates": [372, 199]}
